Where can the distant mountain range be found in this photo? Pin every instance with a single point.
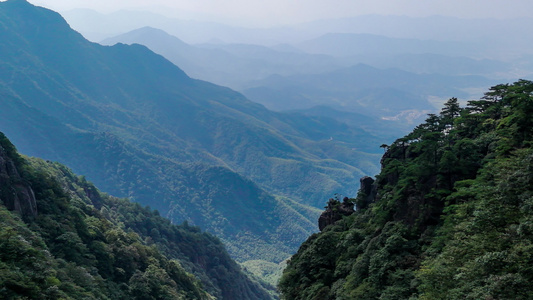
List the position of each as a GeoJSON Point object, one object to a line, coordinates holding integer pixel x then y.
{"type": "Point", "coordinates": [236, 64]}
{"type": "Point", "coordinates": [407, 83]}
{"type": "Point", "coordinates": [431, 63]}
{"type": "Point", "coordinates": [351, 44]}
{"type": "Point", "coordinates": [138, 126]}
{"type": "Point", "coordinates": [99, 26]}
{"type": "Point", "coordinates": [362, 88]}
{"type": "Point", "coordinates": [227, 64]}
{"type": "Point", "coordinates": [381, 41]}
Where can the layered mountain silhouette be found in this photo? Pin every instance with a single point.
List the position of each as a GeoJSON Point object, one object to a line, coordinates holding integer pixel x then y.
{"type": "Point", "coordinates": [362, 88]}
{"type": "Point", "coordinates": [395, 79]}
{"type": "Point", "coordinates": [137, 126]}
{"type": "Point", "coordinates": [231, 65]}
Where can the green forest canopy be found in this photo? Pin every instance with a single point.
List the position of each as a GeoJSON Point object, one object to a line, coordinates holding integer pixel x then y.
{"type": "Point", "coordinates": [453, 218]}
{"type": "Point", "coordinates": [82, 244]}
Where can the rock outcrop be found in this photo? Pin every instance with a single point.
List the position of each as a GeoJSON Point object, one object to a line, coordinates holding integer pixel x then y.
{"type": "Point", "coordinates": [15, 192]}
{"type": "Point", "coordinates": [368, 192]}
{"type": "Point", "coordinates": [335, 211]}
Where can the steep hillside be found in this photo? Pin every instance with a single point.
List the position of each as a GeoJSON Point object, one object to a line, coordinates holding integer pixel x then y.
{"type": "Point", "coordinates": [62, 238]}
{"type": "Point", "coordinates": [138, 126]}
{"type": "Point", "coordinates": [449, 216]}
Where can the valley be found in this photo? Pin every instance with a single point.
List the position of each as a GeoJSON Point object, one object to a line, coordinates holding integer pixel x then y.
{"type": "Point", "coordinates": [227, 139]}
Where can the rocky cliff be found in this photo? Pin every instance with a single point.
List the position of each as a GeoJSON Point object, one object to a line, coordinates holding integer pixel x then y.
{"type": "Point", "coordinates": [335, 211]}
{"type": "Point", "coordinates": [16, 194]}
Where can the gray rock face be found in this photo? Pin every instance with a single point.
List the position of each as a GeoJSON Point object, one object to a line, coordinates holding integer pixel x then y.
{"type": "Point", "coordinates": [15, 192]}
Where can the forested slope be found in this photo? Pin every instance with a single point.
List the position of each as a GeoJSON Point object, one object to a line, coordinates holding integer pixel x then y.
{"type": "Point", "coordinates": [138, 127]}
{"type": "Point", "coordinates": [61, 238]}
{"type": "Point", "coordinates": [452, 219]}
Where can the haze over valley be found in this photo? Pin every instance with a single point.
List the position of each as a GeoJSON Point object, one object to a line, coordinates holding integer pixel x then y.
{"type": "Point", "coordinates": [280, 66]}
{"type": "Point", "coordinates": [237, 125]}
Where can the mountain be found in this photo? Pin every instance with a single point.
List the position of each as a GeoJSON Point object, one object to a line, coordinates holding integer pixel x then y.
{"type": "Point", "coordinates": [98, 26]}
{"type": "Point", "coordinates": [232, 65]}
{"type": "Point", "coordinates": [240, 65]}
{"type": "Point", "coordinates": [502, 37]}
{"type": "Point", "coordinates": [496, 40]}
{"type": "Point", "coordinates": [62, 238]}
{"type": "Point", "coordinates": [449, 216]}
{"type": "Point", "coordinates": [289, 79]}
{"type": "Point", "coordinates": [350, 44]}
{"type": "Point", "coordinates": [505, 37]}
{"type": "Point", "coordinates": [139, 127]}
{"type": "Point", "coordinates": [363, 89]}
{"type": "Point", "coordinates": [430, 63]}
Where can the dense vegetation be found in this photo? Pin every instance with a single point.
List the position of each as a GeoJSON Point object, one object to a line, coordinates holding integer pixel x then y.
{"type": "Point", "coordinates": [452, 218]}
{"type": "Point", "coordinates": [81, 244]}
{"type": "Point", "coordinates": [138, 127]}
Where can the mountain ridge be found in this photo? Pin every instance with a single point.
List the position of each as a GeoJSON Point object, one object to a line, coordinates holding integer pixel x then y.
{"type": "Point", "coordinates": [361, 88]}
{"type": "Point", "coordinates": [139, 127]}
{"type": "Point", "coordinates": [227, 64]}
{"type": "Point", "coordinates": [62, 238]}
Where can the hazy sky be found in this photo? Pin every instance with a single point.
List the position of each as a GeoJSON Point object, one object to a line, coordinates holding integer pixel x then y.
{"type": "Point", "coordinates": [269, 12]}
